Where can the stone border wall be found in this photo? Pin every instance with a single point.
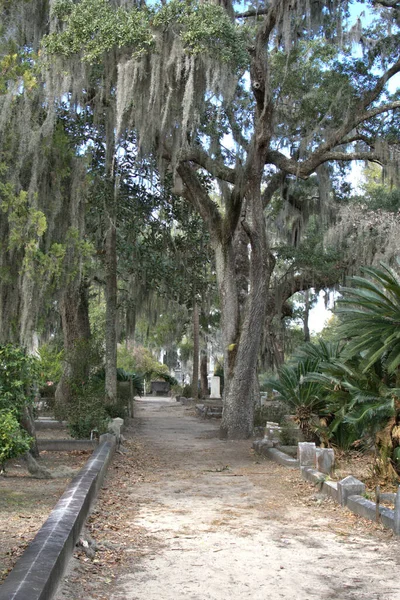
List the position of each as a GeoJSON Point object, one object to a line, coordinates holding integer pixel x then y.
{"type": "Point", "coordinates": [348, 492]}
{"type": "Point", "coordinates": [39, 570]}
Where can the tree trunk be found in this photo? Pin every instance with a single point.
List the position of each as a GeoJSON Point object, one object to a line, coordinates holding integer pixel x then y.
{"type": "Point", "coordinates": [204, 374]}
{"type": "Point", "coordinates": [195, 375]}
{"type": "Point", "coordinates": [28, 423]}
{"type": "Point", "coordinates": [306, 327]}
{"type": "Point", "coordinates": [242, 322]}
{"type": "Point", "coordinates": [111, 313]}
{"type": "Point", "coordinates": [74, 309]}
{"type": "Point", "coordinates": [130, 325]}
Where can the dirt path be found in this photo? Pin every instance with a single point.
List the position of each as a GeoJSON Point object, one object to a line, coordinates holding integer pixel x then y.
{"type": "Point", "coordinates": [197, 518]}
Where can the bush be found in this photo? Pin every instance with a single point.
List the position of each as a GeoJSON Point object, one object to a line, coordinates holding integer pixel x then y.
{"type": "Point", "coordinates": [13, 440]}
{"type": "Point", "coordinates": [50, 365]}
{"type": "Point", "coordinates": [86, 411]}
{"type": "Point", "coordinates": [141, 361]}
{"type": "Point", "coordinates": [19, 378]}
{"type": "Point", "coordinates": [289, 434]}
{"type": "Point", "coordinates": [274, 413]}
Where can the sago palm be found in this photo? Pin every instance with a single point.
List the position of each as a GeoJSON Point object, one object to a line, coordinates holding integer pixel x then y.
{"type": "Point", "coordinates": [303, 398]}
{"type": "Point", "coordinates": [370, 314]}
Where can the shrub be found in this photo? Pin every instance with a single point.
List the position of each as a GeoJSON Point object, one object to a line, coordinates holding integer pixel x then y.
{"type": "Point", "coordinates": [50, 364]}
{"type": "Point", "coordinates": [274, 413]}
{"type": "Point", "coordinates": [13, 440]}
{"type": "Point", "coordinates": [141, 361]}
{"type": "Point", "coordinates": [19, 377]}
{"type": "Point", "coordinates": [86, 411]}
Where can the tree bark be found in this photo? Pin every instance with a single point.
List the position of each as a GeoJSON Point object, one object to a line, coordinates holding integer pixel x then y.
{"type": "Point", "coordinates": [306, 327]}
{"type": "Point", "coordinates": [243, 322]}
{"type": "Point", "coordinates": [28, 423]}
{"type": "Point", "coordinates": [111, 313]}
{"type": "Point", "coordinates": [74, 309]}
{"type": "Point", "coordinates": [195, 375]}
{"type": "Point", "coordinates": [204, 374]}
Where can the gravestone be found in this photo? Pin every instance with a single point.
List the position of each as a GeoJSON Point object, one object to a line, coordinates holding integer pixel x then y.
{"type": "Point", "coordinates": [325, 460]}
{"type": "Point", "coordinates": [215, 387]}
{"type": "Point", "coordinates": [349, 486]}
{"type": "Point", "coordinates": [307, 454]}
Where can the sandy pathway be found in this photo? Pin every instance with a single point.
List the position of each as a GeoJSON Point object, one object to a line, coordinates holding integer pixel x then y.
{"type": "Point", "coordinates": [221, 523]}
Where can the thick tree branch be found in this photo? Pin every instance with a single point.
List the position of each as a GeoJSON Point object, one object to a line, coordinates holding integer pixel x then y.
{"type": "Point", "coordinates": [200, 200]}
{"type": "Point", "coordinates": [273, 185]}
{"type": "Point", "coordinates": [215, 168]}
{"type": "Point", "coordinates": [256, 12]}
{"type": "Point", "coordinates": [378, 110]}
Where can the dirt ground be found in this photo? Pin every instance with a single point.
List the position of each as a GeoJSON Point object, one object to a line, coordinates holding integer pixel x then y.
{"type": "Point", "coordinates": [186, 515]}
{"type": "Point", "coordinates": [25, 502]}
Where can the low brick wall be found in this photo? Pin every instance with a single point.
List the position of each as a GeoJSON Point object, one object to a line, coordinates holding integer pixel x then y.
{"type": "Point", "coordinates": [39, 570]}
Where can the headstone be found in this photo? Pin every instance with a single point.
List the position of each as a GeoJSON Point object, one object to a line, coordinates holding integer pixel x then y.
{"type": "Point", "coordinates": [307, 454]}
{"type": "Point", "coordinates": [215, 387]}
{"type": "Point", "coordinates": [272, 432]}
{"type": "Point", "coordinates": [325, 460]}
{"type": "Point", "coordinates": [396, 526]}
{"type": "Point", "coordinates": [349, 486]}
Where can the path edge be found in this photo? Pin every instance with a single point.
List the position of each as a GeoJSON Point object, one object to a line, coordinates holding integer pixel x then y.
{"type": "Point", "coordinates": [38, 572]}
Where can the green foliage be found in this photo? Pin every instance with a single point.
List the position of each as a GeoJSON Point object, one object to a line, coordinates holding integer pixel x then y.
{"type": "Point", "coordinates": [26, 224]}
{"type": "Point", "coordinates": [166, 377]}
{"type": "Point", "coordinates": [141, 361]}
{"type": "Point", "coordinates": [275, 413]}
{"type": "Point", "coordinates": [124, 377]}
{"type": "Point", "coordinates": [86, 410]}
{"type": "Point", "coordinates": [304, 399]}
{"type": "Point", "coordinates": [370, 314]}
{"type": "Point", "coordinates": [19, 378]}
{"type": "Point", "coordinates": [288, 435]}
{"type": "Point", "coordinates": [51, 363]}
{"type": "Point", "coordinates": [13, 440]}
{"type": "Point", "coordinates": [93, 27]}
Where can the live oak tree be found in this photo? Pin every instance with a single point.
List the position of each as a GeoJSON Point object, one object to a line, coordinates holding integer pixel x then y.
{"type": "Point", "coordinates": [253, 99]}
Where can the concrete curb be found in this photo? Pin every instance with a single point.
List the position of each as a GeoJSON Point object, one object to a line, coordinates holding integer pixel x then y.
{"type": "Point", "coordinates": [357, 504]}
{"type": "Point", "coordinates": [38, 572]}
{"type": "Point", "coordinates": [274, 454]}
{"type": "Point", "coordinates": [367, 509]}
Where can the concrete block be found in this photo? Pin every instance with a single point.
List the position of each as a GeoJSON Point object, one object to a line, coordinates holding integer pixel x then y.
{"type": "Point", "coordinates": [330, 489]}
{"type": "Point", "coordinates": [280, 457]}
{"type": "Point", "coordinates": [307, 454]}
{"type": "Point", "coordinates": [349, 486]}
{"type": "Point", "coordinates": [367, 509]}
{"type": "Point", "coordinates": [325, 460]}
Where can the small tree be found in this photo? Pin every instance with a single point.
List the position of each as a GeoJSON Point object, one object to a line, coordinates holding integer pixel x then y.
{"type": "Point", "coordinates": [19, 378]}
{"type": "Point", "coordinates": [13, 441]}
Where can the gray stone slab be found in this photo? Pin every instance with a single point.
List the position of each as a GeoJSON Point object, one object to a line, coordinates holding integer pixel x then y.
{"type": "Point", "coordinates": [349, 486]}
{"type": "Point", "coordinates": [307, 454]}
{"type": "Point", "coordinates": [325, 460]}
{"type": "Point", "coordinates": [38, 572]}
{"type": "Point", "coordinates": [367, 509]}
{"type": "Point", "coordinates": [280, 457]}
{"type": "Point", "coordinates": [330, 489]}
